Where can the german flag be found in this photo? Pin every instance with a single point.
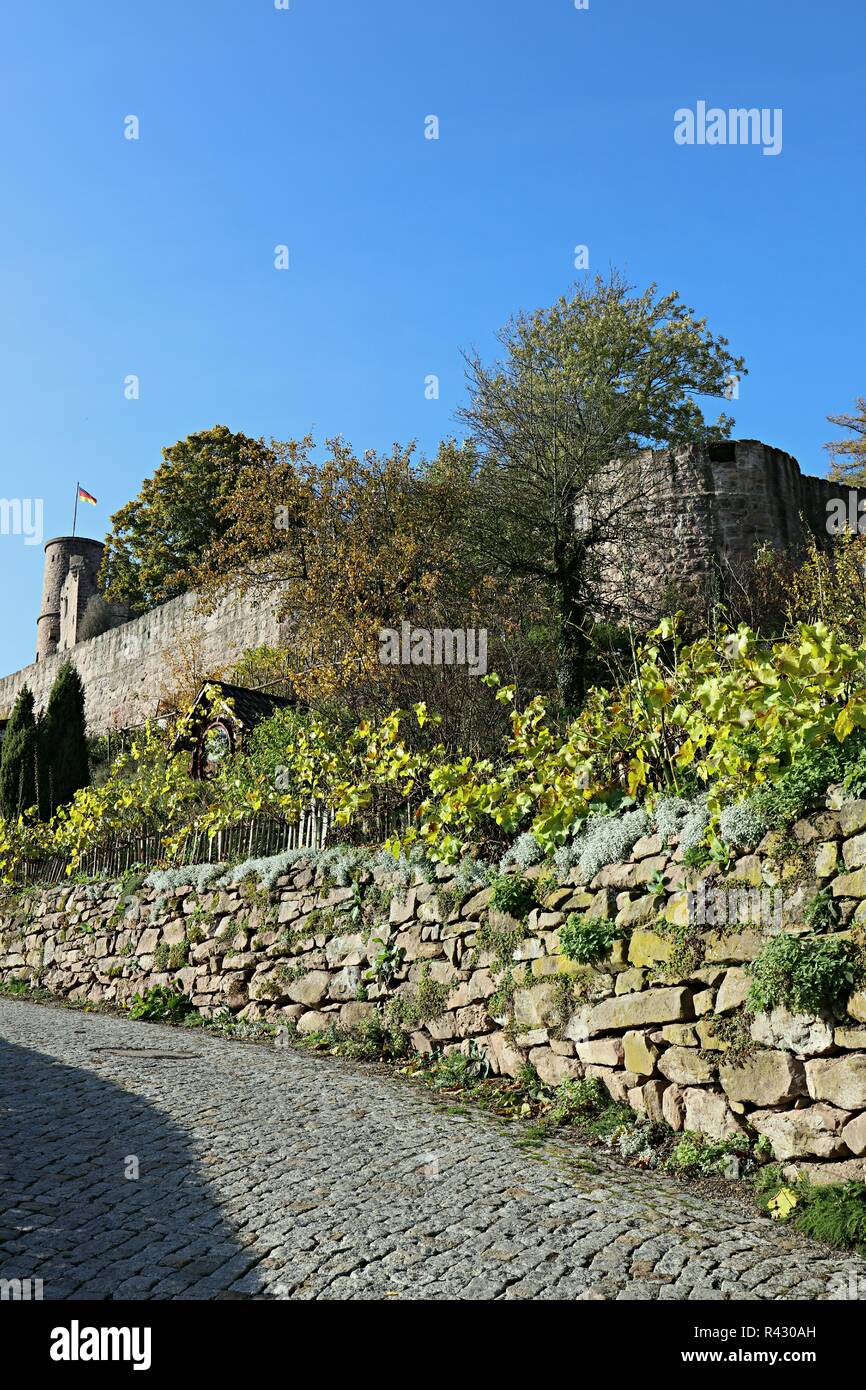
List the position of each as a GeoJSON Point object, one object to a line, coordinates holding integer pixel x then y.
{"type": "Point", "coordinates": [84, 496]}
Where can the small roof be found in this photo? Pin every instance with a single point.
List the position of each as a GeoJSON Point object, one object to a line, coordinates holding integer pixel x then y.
{"type": "Point", "coordinates": [249, 708]}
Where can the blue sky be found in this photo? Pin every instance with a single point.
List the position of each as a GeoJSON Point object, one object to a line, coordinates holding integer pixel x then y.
{"type": "Point", "coordinates": [305, 127]}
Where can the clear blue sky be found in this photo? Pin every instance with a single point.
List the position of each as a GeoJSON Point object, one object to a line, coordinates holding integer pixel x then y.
{"type": "Point", "coordinates": [306, 127]}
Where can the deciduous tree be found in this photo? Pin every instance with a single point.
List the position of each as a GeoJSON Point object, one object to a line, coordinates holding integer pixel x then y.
{"type": "Point", "coordinates": [156, 539]}
{"type": "Point", "coordinates": [567, 425]}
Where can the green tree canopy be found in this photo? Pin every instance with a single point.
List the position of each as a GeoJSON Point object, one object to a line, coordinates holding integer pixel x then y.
{"type": "Point", "coordinates": [18, 759]}
{"type": "Point", "coordinates": [156, 539]}
{"type": "Point", "coordinates": [62, 738]}
{"type": "Point", "coordinates": [567, 427]}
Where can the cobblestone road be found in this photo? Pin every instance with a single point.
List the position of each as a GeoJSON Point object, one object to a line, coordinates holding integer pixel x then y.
{"type": "Point", "coordinates": [262, 1172]}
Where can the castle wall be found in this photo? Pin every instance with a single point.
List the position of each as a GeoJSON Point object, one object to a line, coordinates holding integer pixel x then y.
{"type": "Point", "coordinates": [703, 515]}
{"type": "Point", "coordinates": [125, 670]}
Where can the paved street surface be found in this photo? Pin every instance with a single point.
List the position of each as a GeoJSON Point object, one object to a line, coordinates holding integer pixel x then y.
{"type": "Point", "coordinates": [140, 1161]}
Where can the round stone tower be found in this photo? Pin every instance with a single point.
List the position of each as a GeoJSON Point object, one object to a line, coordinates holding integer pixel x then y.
{"type": "Point", "coordinates": [69, 582]}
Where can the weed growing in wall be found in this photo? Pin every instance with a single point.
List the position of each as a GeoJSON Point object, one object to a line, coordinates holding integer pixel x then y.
{"type": "Point", "coordinates": [587, 939]}
{"type": "Point", "coordinates": [807, 975]}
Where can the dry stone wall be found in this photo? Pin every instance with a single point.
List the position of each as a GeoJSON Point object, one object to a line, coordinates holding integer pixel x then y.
{"type": "Point", "coordinates": [661, 1020]}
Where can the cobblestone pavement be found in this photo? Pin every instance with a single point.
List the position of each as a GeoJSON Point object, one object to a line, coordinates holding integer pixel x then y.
{"type": "Point", "coordinates": [262, 1172]}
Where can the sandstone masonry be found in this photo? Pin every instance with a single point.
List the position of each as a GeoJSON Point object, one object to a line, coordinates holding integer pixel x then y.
{"type": "Point", "coordinates": [305, 954]}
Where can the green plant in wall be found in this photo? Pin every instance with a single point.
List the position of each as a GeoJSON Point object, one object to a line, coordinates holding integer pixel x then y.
{"type": "Point", "coordinates": [806, 975]}
{"type": "Point", "coordinates": [512, 895]}
{"type": "Point", "coordinates": [821, 913]}
{"type": "Point", "coordinates": [657, 884]}
{"type": "Point", "coordinates": [587, 939]}
{"type": "Point", "coordinates": [387, 962]}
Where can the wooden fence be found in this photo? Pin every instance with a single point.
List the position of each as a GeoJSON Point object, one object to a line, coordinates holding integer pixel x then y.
{"type": "Point", "coordinates": [258, 837]}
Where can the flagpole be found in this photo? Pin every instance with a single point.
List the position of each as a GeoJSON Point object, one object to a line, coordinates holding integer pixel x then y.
{"type": "Point", "coordinates": [75, 513]}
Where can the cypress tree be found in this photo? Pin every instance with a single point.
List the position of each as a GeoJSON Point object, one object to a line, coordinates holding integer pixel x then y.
{"type": "Point", "coordinates": [18, 759]}
{"type": "Point", "coordinates": [64, 766]}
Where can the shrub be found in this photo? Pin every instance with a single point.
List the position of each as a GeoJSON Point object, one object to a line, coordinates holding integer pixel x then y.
{"type": "Point", "coordinates": [693, 831]}
{"type": "Point", "coordinates": [63, 761]}
{"type": "Point", "coordinates": [586, 939]}
{"type": "Point", "coordinates": [98, 617]}
{"type": "Point", "coordinates": [576, 1100]}
{"type": "Point", "coordinates": [835, 1213]}
{"type": "Point", "coordinates": [160, 1003]}
{"type": "Point", "coordinates": [512, 895]}
{"type": "Point", "coordinates": [18, 759]}
{"type": "Point", "coordinates": [606, 839]}
{"type": "Point", "coordinates": [803, 785]}
{"type": "Point", "coordinates": [525, 852]}
{"type": "Point", "coordinates": [693, 1155]}
{"type": "Point", "coordinates": [821, 913]}
{"type": "Point", "coordinates": [741, 826]}
{"type": "Point", "coordinates": [669, 814]}
{"type": "Point", "coordinates": [806, 975]}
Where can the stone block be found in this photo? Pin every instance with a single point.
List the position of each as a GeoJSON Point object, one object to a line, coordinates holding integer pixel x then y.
{"type": "Point", "coordinates": [811, 1133]}
{"type": "Point", "coordinates": [686, 1066]}
{"type": "Point", "coordinates": [505, 1058]}
{"type": "Point", "coordinates": [673, 1107]}
{"type": "Point", "coordinates": [839, 1080]}
{"type": "Point", "coordinates": [653, 1100]}
{"type": "Point", "coordinates": [647, 947]}
{"type": "Point", "coordinates": [554, 1069]}
{"type": "Point", "coordinates": [672, 1005]}
{"type": "Point", "coordinates": [640, 1054]}
{"type": "Point", "coordinates": [797, 1033]}
{"type": "Point", "coordinates": [628, 981]}
{"type": "Point", "coordinates": [602, 1052]}
{"type": "Point", "coordinates": [314, 1022]}
{"type": "Point", "coordinates": [311, 989]}
{"type": "Point", "coordinates": [735, 946]}
{"type": "Point", "coordinates": [535, 1005]}
{"type": "Point", "coordinates": [854, 1134]}
{"type": "Point", "coordinates": [851, 885]}
{"type": "Point", "coordinates": [733, 990]}
{"type": "Point", "coordinates": [708, 1113]}
{"type": "Point", "coordinates": [636, 912]}
{"type": "Point", "coordinates": [826, 860]}
{"type": "Point", "coordinates": [767, 1078]}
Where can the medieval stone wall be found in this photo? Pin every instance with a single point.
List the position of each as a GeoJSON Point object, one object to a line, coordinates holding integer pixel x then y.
{"type": "Point", "coordinates": [126, 669]}
{"type": "Point", "coordinates": [703, 518]}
